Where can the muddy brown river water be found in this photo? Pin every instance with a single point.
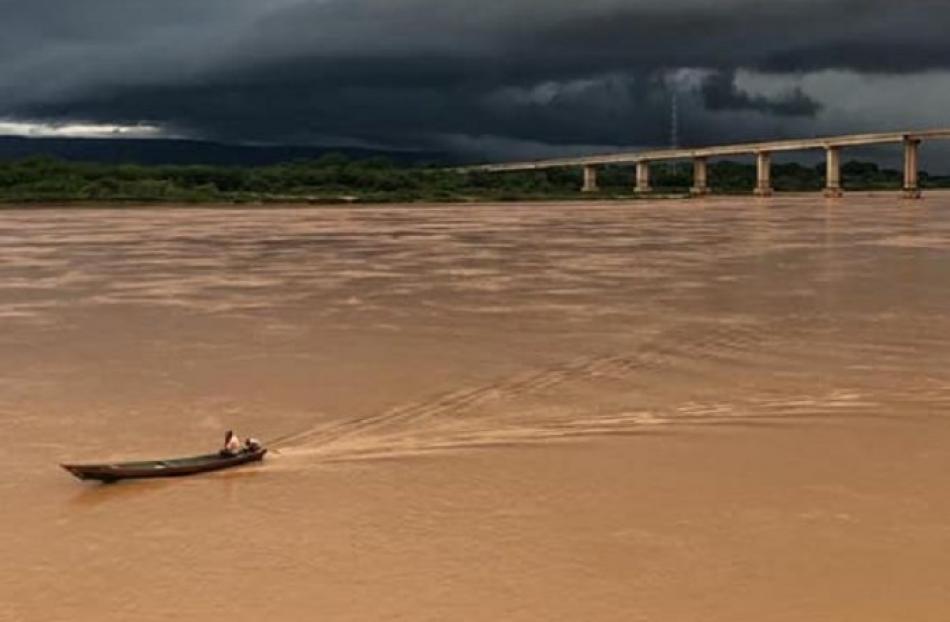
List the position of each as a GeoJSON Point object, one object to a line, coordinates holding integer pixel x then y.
{"type": "Point", "coordinates": [717, 410]}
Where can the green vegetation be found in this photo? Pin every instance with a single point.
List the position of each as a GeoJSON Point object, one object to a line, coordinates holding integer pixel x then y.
{"type": "Point", "coordinates": [334, 178]}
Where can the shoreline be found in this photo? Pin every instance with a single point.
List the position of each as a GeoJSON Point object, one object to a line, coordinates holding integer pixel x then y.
{"type": "Point", "coordinates": [323, 202]}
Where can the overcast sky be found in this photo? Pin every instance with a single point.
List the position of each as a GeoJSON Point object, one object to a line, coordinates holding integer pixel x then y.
{"type": "Point", "coordinates": [482, 78]}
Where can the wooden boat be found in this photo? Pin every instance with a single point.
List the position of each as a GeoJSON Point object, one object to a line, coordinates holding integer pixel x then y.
{"type": "Point", "coordinates": [177, 467]}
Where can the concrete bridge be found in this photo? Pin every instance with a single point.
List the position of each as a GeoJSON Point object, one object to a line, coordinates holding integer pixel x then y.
{"type": "Point", "coordinates": [763, 151]}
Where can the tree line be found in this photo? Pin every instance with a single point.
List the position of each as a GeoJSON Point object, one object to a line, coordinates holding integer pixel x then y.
{"type": "Point", "coordinates": [334, 178]}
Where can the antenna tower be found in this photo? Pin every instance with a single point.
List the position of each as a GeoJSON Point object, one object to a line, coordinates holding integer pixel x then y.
{"type": "Point", "coordinates": [674, 120]}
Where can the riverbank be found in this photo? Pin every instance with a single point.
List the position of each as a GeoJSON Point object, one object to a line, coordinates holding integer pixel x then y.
{"type": "Point", "coordinates": [343, 202]}
{"type": "Point", "coordinates": [335, 180]}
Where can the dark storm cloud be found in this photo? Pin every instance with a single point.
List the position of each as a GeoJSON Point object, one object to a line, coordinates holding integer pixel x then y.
{"type": "Point", "coordinates": [720, 92]}
{"type": "Point", "coordinates": [414, 73]}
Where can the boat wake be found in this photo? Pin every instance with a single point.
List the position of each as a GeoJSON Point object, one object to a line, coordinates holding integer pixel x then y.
{"type": "Point", "coordinates": [739, 373]}
{"type": "Point", "coordinates": [685, 376]}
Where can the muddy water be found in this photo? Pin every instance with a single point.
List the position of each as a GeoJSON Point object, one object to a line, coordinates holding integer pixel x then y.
{"type": "Point", "coordinates": [717, 410]}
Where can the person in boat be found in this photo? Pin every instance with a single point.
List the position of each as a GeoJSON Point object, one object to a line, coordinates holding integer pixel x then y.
{"type": "Point", "coordinates": [232, 444]}
{"type": "Point", "coordinates": [251, 444]}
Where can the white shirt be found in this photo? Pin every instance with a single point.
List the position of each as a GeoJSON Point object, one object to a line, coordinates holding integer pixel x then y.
{"type": "Point", "coordinates": [233, 446]}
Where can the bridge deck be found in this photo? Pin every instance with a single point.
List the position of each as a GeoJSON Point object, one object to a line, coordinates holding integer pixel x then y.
{"type": "Point", "coordinates": [851, 140]}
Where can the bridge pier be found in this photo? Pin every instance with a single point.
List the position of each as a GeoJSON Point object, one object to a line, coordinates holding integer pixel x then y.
{"type": "Point", "coordinates": [700, 177]}
{"type": "Point", "coordinates": [590, 179]}
{"type": "Point", "coordinates": [833, 173]}
{"type": "Point", "coordinates": [763, 184]}
{"type": "Point", "coordinates": [911, 168]}
{"type": "Point", "coordinates": [643, 177]}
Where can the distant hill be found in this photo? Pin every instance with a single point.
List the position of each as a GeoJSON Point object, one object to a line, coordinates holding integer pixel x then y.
{"type": "Point", "coordinates": [174, 151]}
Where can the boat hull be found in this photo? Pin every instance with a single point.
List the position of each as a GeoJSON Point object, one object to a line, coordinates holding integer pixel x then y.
{"type": "Point", "coordinates": [178, 467]}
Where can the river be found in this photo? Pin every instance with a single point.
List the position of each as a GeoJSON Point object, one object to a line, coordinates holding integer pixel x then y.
{"type": "Point", "coordinates": [722, 409]}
